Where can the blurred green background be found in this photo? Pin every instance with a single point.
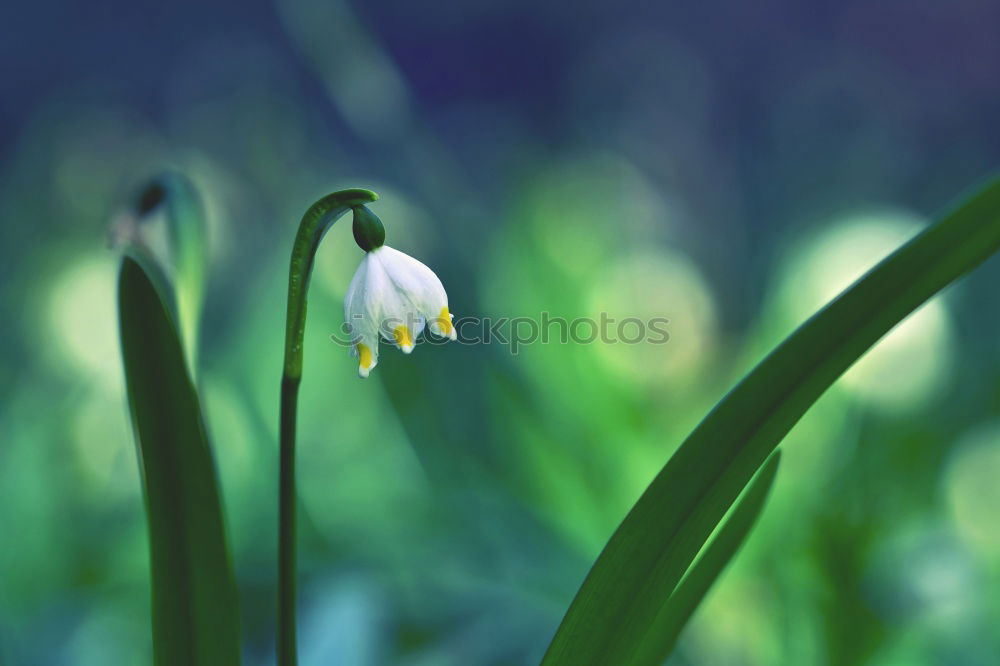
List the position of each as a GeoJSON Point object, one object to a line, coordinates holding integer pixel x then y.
{"type": "Point", "coordinates": [729, 166]}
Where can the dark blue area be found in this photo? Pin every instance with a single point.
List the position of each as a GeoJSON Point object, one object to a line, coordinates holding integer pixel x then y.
{"type": "Point", "coordinates": [518, 55]}
{"type": "Point", "coordinates": [53, 44]}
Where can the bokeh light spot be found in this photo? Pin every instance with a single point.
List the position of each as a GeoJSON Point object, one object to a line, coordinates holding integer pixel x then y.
{"type": "Point", "coordinates": [913, 361]}
{"type": "Point", "coordinates": [83, 319]}
{"type": "Point", "coordinates": [641, 288]}
{"type": "Point", "coordinates": [972, 490]}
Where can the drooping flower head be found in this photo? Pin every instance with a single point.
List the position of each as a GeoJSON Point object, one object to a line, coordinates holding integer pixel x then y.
{"type": "Point", "coordinates": [392, 296]}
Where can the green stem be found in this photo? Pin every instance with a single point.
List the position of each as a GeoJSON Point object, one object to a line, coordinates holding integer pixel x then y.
{"type": "Point", "coordinates": [286, 523]}
{"type": "Point", "coordinates": [320, 217]}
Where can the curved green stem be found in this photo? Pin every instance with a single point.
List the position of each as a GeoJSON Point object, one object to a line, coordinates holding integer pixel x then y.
{"type": "Point", "coordinates": [320, 217]}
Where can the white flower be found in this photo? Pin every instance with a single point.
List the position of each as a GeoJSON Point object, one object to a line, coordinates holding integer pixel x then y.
{"type": "Point", "coordinates": [393, 295]}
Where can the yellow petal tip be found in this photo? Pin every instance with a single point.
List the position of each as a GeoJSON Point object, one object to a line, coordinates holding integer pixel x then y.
{"type": "Point", "coordinates": [443, 325]}
{"type": "Point", "coordinates": [404, 340]}
{"type": "Point", "coordinates": [366, 360]}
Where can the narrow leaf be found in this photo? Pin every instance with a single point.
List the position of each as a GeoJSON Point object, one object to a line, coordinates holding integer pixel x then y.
{"type": "Point", "coordinates": [710, 563]}
{"type": "Point", "coordinates": [195, 611]}
{"type": "Point", "coordinates": [652, 548]}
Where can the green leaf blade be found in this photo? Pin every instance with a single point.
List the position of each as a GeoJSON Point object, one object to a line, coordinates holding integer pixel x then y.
{"type": "Point", "coordinates": [689, 593]}
{"type": "Point", "coordinates": [195, 607]}
{"type": "Point", "coordinates": [653, 547]}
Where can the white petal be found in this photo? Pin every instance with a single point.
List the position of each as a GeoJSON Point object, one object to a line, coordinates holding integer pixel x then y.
{"type": "Point", "coordinates": [399, 321]}
{"type": "Point", "coordinates": [359, 293]}
{"type": "Point", "coordinates": [421, 287]}
{"type": "Point", "coordinates": [363, 327]}
{"type": "Point", "coordinates": [352, 301]}
{"type": "Point", "coordinates": [393, 296]}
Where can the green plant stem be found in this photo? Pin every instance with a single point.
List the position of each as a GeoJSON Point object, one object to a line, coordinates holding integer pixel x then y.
{"type": "Point", "coordinates": [317, 220]}
{"type": "Point", "coordinates": [286, 523]}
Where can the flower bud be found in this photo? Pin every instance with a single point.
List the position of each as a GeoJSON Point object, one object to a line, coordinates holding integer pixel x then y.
{"type": "Point", "coordinates": [369, 233]}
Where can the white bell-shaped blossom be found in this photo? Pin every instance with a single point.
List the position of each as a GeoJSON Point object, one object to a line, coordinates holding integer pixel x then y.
{"type": "Point", "coordinates": [393, 296]}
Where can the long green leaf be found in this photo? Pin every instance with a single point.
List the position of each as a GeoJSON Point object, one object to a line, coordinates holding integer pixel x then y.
{"type": "Point", "coordinates": [629, 583]}
{"type": "Point", "coordinates": [195, 610]}
{"type": "Point", "coordinates": [713, 559]}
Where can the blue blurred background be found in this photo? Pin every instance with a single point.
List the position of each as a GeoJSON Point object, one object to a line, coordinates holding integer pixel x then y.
{"type": "Point", "coordinates": [727, 165]}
